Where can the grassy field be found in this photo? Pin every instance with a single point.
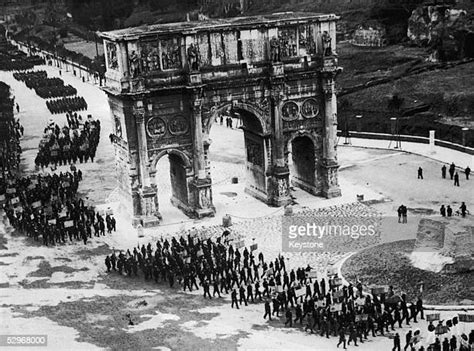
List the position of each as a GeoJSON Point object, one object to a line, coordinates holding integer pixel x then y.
{"type": "Point", "coordinates": [388, 263]}
{"type": "Point", "coordinates": [445, 93]}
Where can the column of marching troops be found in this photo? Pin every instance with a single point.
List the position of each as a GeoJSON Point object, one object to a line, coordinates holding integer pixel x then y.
{"type": "Point", "coordinates": [77, 141]}
{"type": "Point", "coordinates": [45, 87]}
{"type": "Point", "coordinates": [48, 207]}
{"type": "Point", "coordinates": [53, 88]}
{"type": "Point", "coordinates": [326, 307]}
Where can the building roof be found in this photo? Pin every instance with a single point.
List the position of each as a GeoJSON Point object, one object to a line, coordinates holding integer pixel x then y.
{"type": "Point", "coordinates": [281, 18]}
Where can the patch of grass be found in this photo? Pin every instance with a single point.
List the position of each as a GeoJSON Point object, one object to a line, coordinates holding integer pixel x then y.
{"type": "Point", "coordinates": [12, 254]}
{"type": "Point", "coordinates": [101, 250]}
{"type": "Point", "coordinates": [37, 284]}
{"type": "Point", "coordinates": [388, 264]}
{"type": "Point", "coordinates": [109, 332]}
{"type": "Point", "coordinates": [30, 258]}
{"type": "Point", "coordinates": [45, 270]}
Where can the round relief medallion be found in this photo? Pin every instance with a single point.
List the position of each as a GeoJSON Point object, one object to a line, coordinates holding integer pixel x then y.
{"type": "Point", "coordinates": [156, 127]}
{"type": "Point", "coordinates": [178, 126]}
{"type": "Point", "coordinates": [310, 108]}
{"type": "Point", "coordinates": [289, 111]}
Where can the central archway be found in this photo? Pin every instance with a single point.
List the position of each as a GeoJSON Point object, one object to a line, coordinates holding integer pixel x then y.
{"type": "Point", "coordinates": [255, 146]}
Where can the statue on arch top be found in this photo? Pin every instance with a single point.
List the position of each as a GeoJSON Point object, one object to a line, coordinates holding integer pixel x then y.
{"type": "Point", "coordinates": [193, 58]}
{"type": "Point", "coordinates": [327, 49]}
{"type": "Point", "coordinates": [274, 49]}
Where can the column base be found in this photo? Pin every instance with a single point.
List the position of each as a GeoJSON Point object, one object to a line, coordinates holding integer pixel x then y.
{"type": "Point", "coordinates": [151, 221]}
{"type": "Point", "coordinates": [332, 192]}
{"type": "Point", "coordinates": [259, 195]}
{"type": "Point", "coordinates": [279, 187]}
{"type": "Point", "coordinates": [330, 179]}
{"type": "Point", "coordinates": [202, 204]}
{"type": "Point", "coordinates": [309, 188]}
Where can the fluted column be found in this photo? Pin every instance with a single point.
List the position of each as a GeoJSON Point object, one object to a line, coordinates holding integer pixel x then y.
{"type": "Point", "coordinates": [329, 165]}
{"type": "Point", "coordinates": [199, 162]}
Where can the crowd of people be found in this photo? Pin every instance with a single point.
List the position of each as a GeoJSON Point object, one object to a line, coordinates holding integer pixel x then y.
{"type": "Point", "coordinates": [325, 306]}
{"type": "Point", "coordinates": [67, 104]}
{"type": "Point", "coordinates": [77, 141]}
{"type": "Point", "coordinates": [47, 207]}
{"type": "Point", "coordinates": [11, 59]}
{"type": "Point", "coordinates": [45, 87]}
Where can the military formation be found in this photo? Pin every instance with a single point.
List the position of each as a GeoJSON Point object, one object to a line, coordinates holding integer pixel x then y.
{"type": "Point", "coordinates": [45, 87]}
{"type": "Point", "coordinates": [295, 297]}
{"type": "Point", "coordinates": [77, 141]}
{"type": "Point", "coordinates": [67, 104]}
{"type": "Point", "coordinates": [47, 207]}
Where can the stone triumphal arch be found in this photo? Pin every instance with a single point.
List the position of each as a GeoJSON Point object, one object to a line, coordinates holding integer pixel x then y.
{"type": "Point", "coordinates": [166, 83]}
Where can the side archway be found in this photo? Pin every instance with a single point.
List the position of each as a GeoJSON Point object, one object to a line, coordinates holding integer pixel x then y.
{"type": "Point", "coordinates": [302, 161]}
{"type": "Point", "coordinates": [181, 175]}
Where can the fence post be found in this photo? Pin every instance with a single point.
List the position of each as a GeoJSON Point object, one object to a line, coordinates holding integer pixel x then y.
{"type": "Point", "coordinates": [464, 132]}
{"type": "Point", "coordinates": [432, 141]}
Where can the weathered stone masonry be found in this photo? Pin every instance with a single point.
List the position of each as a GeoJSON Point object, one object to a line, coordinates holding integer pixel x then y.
{"type": "Point", "coordinates": [166, 84]}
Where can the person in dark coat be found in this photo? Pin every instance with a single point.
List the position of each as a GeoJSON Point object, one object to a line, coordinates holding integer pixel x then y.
{"type": "Point", "coordinates": [268, 311]}
{"type": "Point", "coordinates": [299, 314]}
{"type": "Point", "coordinates": [449, 211]}
{"type": "Point", "coordinates": [289, 318]}
{"type": "Point", "coordinates": [107, 263]}
{"type": "Point", "coordinates": [452, 169]}
{"type": "Point", "coordinates": [242, 295]}
{"type": "Point", "coordinates": [342, 338]}
{"type": "Point", "coordinates": [276, 307]}
{"type": "Point", "coordinates": [456, 179]}
{"type": "Point", "coordinates": [445, 344]}
{"type": "Point", "coordinates": [205, 286]}
{"type": "Point", "coordinates": [407, 340]}
{"type": "Point", "coordinates": [442, 211]}
{"type": "Point", "coordinates": [234, 299]}
{"type": "Point", "coordinates": [443, 172]}
{"type": "Point", "coordinates": [420, 173]}
{"type": "Point", "coordinates": [419, 307]}
{"type": "Point", "coordinates": [396, 342]}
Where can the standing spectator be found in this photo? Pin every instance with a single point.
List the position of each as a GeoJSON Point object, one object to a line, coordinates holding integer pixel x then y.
{"type": "Point", "coordinates": [456, 179]}
{"type": "Point", "coordinates": [452, 169]}
{"type": "Point", "coordinates": [404, 214]}
{"type": "Point", "coordinates": [443, 172]}
{"type": "Point", "coordinates": [420, 173]}
{"type": "Point", "coordinates": [463, 209]}
{"type": "Point", "coordinates": [400, 212]}
{"type": "Point", "coordinates": [467, 172]}
{"type": "Point", "coordinates": [442, 211]}
{"type": "Point", "coordinates": [449, 211]}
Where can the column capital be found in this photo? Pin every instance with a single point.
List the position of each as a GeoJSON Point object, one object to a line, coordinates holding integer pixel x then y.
{"type": "Point", "coordinates": [277, 94]}
{"type": "Point", "coordinates": [139, 116]}
{"type": "Point", "coordinates": [329, 89]}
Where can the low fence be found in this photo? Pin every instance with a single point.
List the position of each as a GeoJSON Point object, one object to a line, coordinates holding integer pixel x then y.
{"type": "Point", "coordinates": [408, 138]}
